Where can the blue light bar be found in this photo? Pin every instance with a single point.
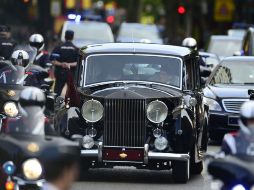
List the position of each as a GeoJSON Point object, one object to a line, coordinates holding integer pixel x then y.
{"type": "Point", "coordinates": [9, 168]}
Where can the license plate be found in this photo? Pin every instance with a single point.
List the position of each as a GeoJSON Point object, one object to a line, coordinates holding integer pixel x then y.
{"type": "Point", "coordinates": [123, 154]}
{"type": "Point", "coordinates": [233, 121]}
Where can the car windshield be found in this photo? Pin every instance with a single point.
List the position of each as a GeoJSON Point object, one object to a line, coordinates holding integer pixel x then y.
{"type": "Point", "coordinates": [10, 74]}
{"type": "Point", "coordinates": [97, 32]}
{"type": "Point", "coordinates": [234, 73]}
{"type": "Point", "coordinates": [225, 47]}
{"type": "Point", "coordinates": [152, 68]}
{"type": "Point", "coordinates": [139, 32]}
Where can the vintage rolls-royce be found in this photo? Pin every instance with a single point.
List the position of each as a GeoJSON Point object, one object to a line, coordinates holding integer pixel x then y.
{"type": "Point", "coordinates": [137, 104]}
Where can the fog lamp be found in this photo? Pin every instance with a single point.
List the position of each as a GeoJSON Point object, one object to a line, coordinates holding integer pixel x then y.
{"type": "Point", "coordinates": [88, 142]}
{"type": "Point", "coordinates": [157, 132]}
{"type": "Point", "coordinates": [92, 132]}
{"type": "Point", "coordinates": [161, 143]}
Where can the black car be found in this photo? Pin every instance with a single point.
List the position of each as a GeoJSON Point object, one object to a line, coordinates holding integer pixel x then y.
{"type": "Point", "coordinates": [225, 91]}
{"type": "Point", "coordinates": [137, 104]}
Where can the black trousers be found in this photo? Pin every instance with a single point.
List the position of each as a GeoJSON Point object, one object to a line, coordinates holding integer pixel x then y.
{"type": "Point", "coordinates": [61, 79]}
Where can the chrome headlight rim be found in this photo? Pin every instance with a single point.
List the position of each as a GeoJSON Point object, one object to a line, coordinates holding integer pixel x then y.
{"type": "Point", "coordinates": [29, 170]}
{"type": "Point", "coordinates": [14, 109]}
{"type": "Point", "coordinates": [84, 107]}
{"type": "Point", "coordinates": [147, 111]}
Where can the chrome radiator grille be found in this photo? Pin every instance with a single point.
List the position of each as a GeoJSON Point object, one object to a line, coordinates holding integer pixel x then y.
{"type": "Point", "coordinates": [233, 105]}
{"type": "Point", "coordinates": [124, 122]}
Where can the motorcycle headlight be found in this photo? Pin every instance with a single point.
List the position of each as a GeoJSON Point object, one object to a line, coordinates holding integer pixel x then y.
{"type": "Point", "coordinates": [10, 109]}
{"type": "Point", "coordinates": [157, 111]}
{"type": "Point", "coordinates": [32, 169]}
{"type": "Point", "coordinates": [92, 111]}
{"type": "Point", "coordinates": [213, 104]}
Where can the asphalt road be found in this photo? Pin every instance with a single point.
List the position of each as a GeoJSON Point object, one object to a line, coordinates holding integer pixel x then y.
{"type": "Point", "coordinates": [127, 178]}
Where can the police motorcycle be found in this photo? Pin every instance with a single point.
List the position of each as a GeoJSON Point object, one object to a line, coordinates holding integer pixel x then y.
{"type": "Point", "coordinates": [23, 141]}
{"type": "Point", "coordinates": [14, 77]}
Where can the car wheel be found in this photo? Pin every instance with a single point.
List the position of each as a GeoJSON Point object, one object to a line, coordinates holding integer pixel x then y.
{"type": "Point", "coordinates": [180, 171]}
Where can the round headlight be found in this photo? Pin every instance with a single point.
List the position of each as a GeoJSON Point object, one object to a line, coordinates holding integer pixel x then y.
{"type": "Point", "coordinates": [157, 111]}
{"type": "Point", "coordinates": [10, 109]}
{"type": "Point", "coordinates": [92, 111]}
{"type": "Point", "coordinates": [32, 169]}
{"type": "Point", "coordinates": [161, 143]}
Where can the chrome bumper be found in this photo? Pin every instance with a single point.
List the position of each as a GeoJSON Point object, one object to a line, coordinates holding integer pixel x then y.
{"type": "Point", "coordinates": [147, 157]}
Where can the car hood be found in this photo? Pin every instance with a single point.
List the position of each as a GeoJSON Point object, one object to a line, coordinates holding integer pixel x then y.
{"type": "Point", "coordinates": [222, 91]}
{"type": "Point", "coordinates": [133, 92]}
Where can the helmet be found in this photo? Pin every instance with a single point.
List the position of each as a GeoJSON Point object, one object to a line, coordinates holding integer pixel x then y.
{"type": "Point", "coordinates": [32, 96]}
{"type": "Point", "coordinates": [190, 43]}
{"type": "Point", "coordinates": [20, 57]}
{"type": "Point", "coordinates": [37, 41]}
{"type": "Point", "coordinates": [247, 114]}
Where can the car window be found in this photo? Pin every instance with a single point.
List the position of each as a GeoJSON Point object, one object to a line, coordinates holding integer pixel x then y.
{"type": "Point", "coordinates": [234, 73]}
{"type": "Point", "coordinates": [142, 31]}
{"type": "Point", "coordinates": [224, 47]}
{"type": "Point", "coordinates": [93, 32]}
{"type": "Point", "coordinates": [105, 68]}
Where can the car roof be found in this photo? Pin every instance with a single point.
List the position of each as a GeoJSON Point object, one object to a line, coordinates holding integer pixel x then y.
{"type": "Point", "coordinates": [85, 23]}
{"type": "Point", "coordinates": [225, 37]}
{"type": "Point", "coordinates": [238, 58]}
{"type": "Point", "coordinates": [138, 48]}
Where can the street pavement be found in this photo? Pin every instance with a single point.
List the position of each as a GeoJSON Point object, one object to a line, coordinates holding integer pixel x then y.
{"type": "Point", "coordinates": [127, 178]}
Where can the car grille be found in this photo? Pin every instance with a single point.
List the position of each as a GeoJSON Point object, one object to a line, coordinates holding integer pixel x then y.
{"type": "Point", "coordinates": [233, 105]}
{"type": "Point", "coordinates": [124, 122]}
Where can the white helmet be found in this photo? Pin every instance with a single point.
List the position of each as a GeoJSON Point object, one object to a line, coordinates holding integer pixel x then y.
{"type": "Point", "coordinates": [190, 43]}
{"type": "Point", "coordinates": [247, 113]}
{"type": "Point", "coordinates": [37, 41]}
{"type": "Point", "coordinates": [20, 58]}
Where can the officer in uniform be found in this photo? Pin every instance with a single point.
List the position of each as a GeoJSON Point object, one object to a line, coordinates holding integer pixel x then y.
{"type": "Point", "coordinates": [242, 142]}
{"type": "Point", "coordinates": [7, 44]}
{"type": "Point", "coordinates": [68, 55]}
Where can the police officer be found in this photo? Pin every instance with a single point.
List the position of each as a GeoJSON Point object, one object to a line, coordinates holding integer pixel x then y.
{"type": "Point", "coordinates": [36, 41]}
{"type": "Point", "coordinates": [68, 55]}
{"type": "Point", "coordinates": [60, 164]}
{"type": "Point", "coordinates": [242, 142]}
{"type": "Point", "coordinates": [7, 44]}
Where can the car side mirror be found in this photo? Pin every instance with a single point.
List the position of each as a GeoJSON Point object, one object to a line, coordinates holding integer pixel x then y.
{"type": "Point", "coordinates": [251, 93]}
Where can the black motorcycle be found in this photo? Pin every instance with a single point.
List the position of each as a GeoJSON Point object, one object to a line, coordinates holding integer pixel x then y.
{"type": "Point", "coordinates": [21, 145]}
{"type": "Point", "coordinates": [11, 83]}
{"type": "Point", "coordinates": [233, 172]}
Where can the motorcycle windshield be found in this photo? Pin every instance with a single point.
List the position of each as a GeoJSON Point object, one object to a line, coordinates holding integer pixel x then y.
{"type": "Point", "coordinates": [31, 122]}
{"type": "Point", "coordinates": [10, 74]}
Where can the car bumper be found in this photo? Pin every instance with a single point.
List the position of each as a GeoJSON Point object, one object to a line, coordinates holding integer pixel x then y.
{"type": "Point", "coordinates": [221, 123]}
{"type": "Point", "coordinates": [148, 155]}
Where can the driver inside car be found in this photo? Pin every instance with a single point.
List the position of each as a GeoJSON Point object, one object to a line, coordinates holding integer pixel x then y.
{"type": "Point", "coordinates": [242, 142]}
{"type": "Point", "coordinates": [167, 75]}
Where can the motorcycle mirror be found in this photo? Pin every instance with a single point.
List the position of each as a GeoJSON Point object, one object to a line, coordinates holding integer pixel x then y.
{"type": "Point", "coordinates": [49, 81]}
{"type": "Point", "coordinates": [45, 87]}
